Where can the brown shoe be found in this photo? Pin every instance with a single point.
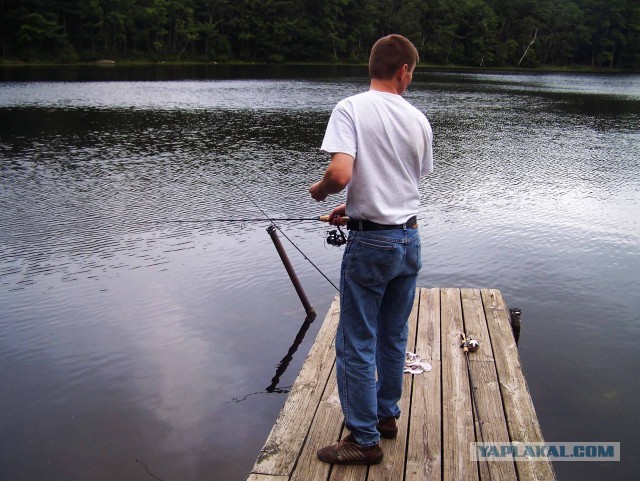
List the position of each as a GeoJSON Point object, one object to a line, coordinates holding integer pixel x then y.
{"type": "Point", "coordinates": [348, 452]}
{"type": "Point", "coordinates": [387, 427]}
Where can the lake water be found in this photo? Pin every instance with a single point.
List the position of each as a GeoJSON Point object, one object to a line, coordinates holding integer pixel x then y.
{"type": "Point", "coordinates": [134, 343]}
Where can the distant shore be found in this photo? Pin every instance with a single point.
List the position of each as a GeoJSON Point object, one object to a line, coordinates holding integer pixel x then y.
{"type": "Point", "coordinates": [428, 66]}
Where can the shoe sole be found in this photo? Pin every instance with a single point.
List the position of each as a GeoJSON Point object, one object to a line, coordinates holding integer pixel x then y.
{"type": "Point", "coordinates": [328, 455]}
{"type": "Point", "coordinates": [364, 463]}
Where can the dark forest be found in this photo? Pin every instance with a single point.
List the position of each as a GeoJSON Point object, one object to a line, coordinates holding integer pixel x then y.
{"type": "Point", "coordinates": [603, 34]}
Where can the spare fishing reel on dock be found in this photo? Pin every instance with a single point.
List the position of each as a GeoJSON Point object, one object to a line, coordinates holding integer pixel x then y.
{"type": "Point", "coordinates": [468, 344]}
{"type": "Point", "coordinates": [336, 237]}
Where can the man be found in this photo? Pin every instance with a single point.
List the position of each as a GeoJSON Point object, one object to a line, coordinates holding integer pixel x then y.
{"type": "Point", "coordinates": [380, 146]}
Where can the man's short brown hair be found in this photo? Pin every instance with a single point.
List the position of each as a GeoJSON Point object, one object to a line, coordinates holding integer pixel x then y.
{"type": "Point", "coordinates": [389, 54]}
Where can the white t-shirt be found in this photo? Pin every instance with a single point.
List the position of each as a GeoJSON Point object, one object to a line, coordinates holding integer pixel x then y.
{"type": "Point", "coordinates": [391, 142]}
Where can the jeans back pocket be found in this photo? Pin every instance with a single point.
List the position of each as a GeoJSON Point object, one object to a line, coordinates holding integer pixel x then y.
{"type": "Point", "coordinates": [370, 262]}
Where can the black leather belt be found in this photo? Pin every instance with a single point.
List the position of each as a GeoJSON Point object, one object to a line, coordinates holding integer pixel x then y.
{"type": "Point", "coordinates": [368, 225]}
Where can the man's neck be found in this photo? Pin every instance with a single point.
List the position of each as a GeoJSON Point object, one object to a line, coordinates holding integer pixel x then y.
{"type": "Point", "coordinates": [387, 86]}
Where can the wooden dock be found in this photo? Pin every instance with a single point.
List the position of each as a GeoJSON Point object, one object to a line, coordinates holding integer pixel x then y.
{"type": "Point", "coordinates": [437, 422]}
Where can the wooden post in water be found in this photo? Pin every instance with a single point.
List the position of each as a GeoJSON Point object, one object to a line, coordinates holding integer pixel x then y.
{"type": "Point", "coordinates": [514, 316]}
{"type": "Point", "coordinates": [311, 312]}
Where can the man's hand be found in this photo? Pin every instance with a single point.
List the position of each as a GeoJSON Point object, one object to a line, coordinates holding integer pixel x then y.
{"type": "Point", "coordinates": [317, 193]}
{"type": "Point", "coordinates": [337, 215]}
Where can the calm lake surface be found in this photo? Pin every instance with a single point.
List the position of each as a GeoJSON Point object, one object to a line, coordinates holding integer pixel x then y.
{"type": "Point", "coordinates": [132, 344]}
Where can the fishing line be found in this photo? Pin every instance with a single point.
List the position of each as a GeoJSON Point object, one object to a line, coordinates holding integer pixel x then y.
{"type": "Point", "coordinates": [285, 235]}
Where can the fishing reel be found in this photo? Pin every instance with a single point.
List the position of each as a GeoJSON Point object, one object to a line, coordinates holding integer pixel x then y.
{"type": "Point", "coordinates": [336, 237]}
{"type": "Point", "coordinates": [469, 344]}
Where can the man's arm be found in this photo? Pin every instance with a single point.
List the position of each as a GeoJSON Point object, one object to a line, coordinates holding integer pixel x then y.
{"type": "Point", "coordinates": [336, 177]}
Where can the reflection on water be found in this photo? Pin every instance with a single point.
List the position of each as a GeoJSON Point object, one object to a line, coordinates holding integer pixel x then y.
{"type": "Point", "coordinates": [132, 320]}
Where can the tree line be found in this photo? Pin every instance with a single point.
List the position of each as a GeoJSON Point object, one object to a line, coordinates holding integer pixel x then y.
{"type": "Point", "coordinates": [481, 33]}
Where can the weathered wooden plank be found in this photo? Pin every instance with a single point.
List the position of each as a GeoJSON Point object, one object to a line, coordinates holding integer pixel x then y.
{"type": "Point", "coordinates": [428, 337]}
{"type": "Point", "coordinates": [348, 473]}
{"type": "Point", "coordinates": [281, 450]}
{"type": "Point", "coordinates": [325, 429]}
{"type": "Point", "coordinates": [392, 466]}
{"type": "Point", "coordinates": [521, 417]}
{"type": "Point", "coordinates": [424, 450]}
{"type": "Point", "coordinates": [494, 423]}
{"type": "Point", "coordinates": [457, 421]}
{"type": "Point", "coordinates": [475, 324]}
{"type": "Point", "coordinates": [266, 477]}
{"type": "Point", "coordinates": [485, 378]}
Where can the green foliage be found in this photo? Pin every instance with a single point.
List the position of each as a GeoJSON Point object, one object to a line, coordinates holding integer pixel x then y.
{"type": "Point", "coordinates": [481, 33]}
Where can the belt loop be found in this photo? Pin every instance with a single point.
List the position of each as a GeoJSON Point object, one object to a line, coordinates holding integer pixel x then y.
{"type": "Point", "coordinates": [404, 226]}
{"type": "Point", "coordinates": [360, 225]}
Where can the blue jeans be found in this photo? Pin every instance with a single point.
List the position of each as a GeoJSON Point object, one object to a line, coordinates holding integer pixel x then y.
{"type": "Point", "coordinates": [377, 288]}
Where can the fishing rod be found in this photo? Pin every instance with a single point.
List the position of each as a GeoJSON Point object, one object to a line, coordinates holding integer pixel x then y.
{"type": "Point", "coordinates": [321, 218]}
{"type": "Point", "coordinates": [335, 237]}
{"type": "Point", "coordinates": [471, 345]}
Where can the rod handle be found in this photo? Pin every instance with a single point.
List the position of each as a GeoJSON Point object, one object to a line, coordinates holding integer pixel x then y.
{"type": "Point", "coordinates": [325, 218]}
{"type": "Point", "coordinates": [465, 342]}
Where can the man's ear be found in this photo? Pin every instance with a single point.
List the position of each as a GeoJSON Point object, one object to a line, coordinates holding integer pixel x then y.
{"type": "Point", "coordinates": [403, 71]}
